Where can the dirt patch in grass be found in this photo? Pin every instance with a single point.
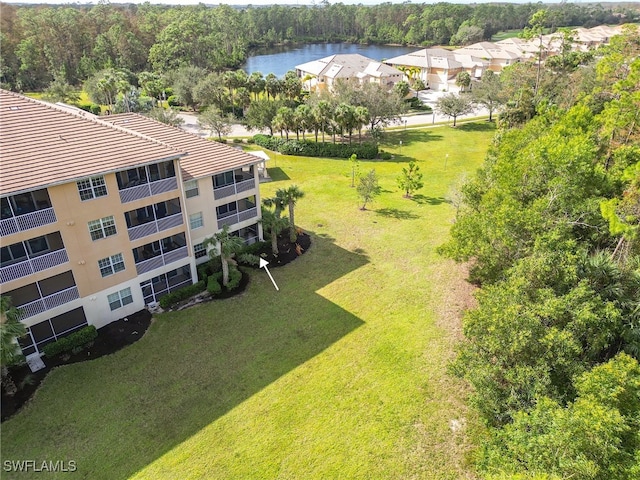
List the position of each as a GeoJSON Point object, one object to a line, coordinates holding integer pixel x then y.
{"type": "Point", "coordinates": [111, 338]}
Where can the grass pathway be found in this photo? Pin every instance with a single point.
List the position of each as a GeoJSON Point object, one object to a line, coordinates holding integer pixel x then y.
{"type": "Point", "coordinates": [341, 374]}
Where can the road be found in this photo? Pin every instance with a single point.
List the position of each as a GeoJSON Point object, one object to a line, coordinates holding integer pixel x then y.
{"type": "Point", "coordinates": [428, 98]}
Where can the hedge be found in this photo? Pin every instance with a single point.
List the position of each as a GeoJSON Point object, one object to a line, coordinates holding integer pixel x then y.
{"type": "Point", "coordinates": [79, 338]}
{"type": "Point", "coordinates": [213, 284]}
{"type": "Point", "coordinates": [182, 294]}
{"type": "Point", "coordinates": [90, 107]}
{"type": "Point", "coordinates": [307, 148]}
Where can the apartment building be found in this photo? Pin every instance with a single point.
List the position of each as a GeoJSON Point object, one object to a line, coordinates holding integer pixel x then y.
{"type": "Point", "coordinates": [101, 216]}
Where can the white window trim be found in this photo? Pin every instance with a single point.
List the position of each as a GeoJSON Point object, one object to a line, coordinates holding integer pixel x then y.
{"type": "Point", "coordinates": [112, 264]}
{"type": "Point", "coordinates": [119, 297]}
{"type": "Point", "coordinates": [102, 224]}
{"type": "Point", "coordinates": [197, 219]}
{"type": "Point", "coordinates": [92, 187]}
{"type": "Point", "coordinates": [191, 188]}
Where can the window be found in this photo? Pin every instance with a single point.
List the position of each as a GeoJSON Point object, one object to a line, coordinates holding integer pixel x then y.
{"type": "Point", "coordinates": [120, 299]}
{"type": "Point", "coordinates": [110, 265]}
{"type": "Point", "coordinates": [223, 179]}
{"type": "Point", "coordinates": [227, 209]}
{"type": "Point", "coordinates": [93, 187]}
{"type": "Point", "coordinates": [199, 250]}
{"type": "Point", "coordinates": [195, 220]}
{"type": "Point", "coordinates": [191, 188]}
{"type": "Point", "coordinates": [105, 227]}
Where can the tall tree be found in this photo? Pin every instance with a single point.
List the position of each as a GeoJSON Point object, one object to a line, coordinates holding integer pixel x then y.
{"type": "Point", "coordinates": [226, 246]}
{"type": "Point", "coordinates": [289, 196]}
{"type": "Point", "coordinates": [488, 92]}
{"type": "Point", "coordinates": [213, 120]}
{"type": "Point", "coordinates": [273, 224]}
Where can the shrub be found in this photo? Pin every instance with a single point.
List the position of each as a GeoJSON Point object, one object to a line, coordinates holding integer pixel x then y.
{"type": "Point", "coordinates": [76, 340]}
{"type": "Point", "coordinates": [309, 148]}
{"type": "Point", "coordinates": [172, 100]}
{"type": "Point", "coordinates": [90, 107]}
{"type": "Point", "coordinates": [235, 276]}
{"type": "Point", "coordinates": [386, 156]}
{"type": "Point", "coordinates": [250, 141]}
{"type": "Point", "coordinates": [213, 284]}
{"type": "Point", "coordinates": [182, 294]}
{"type": "Point", "coordinates": [237, 140]}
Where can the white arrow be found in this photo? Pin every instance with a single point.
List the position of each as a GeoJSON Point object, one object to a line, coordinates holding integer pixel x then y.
{"type": "Point", "coordinates": [263, 264]}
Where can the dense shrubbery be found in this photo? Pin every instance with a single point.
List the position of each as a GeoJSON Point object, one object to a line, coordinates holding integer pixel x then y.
{"type": "Point", "coordinates": [90, 107]}
{"type": "Point", "coordinates": [182, 294]}
{"type": "Point", "coordinates": [75, 340]}
{"type": "Point", "coordinates": [307, 148]}
{"type": "Point", "coordinates": [551, 223]}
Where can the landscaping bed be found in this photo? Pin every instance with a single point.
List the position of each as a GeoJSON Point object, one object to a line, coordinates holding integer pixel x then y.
{"type": "Point", "coordinates": [111, 338]}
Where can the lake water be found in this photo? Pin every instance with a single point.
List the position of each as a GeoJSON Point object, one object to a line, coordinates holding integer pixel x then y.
{"type": "Point", "coordinates": [279, 60]}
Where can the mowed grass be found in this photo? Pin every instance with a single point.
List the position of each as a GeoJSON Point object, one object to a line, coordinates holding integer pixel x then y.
{"type": "Point", "coordinates": [341, 374]}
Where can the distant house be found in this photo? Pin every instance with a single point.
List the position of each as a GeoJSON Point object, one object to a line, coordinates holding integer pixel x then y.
{"type": "Point", "coordinates": [497, 56]}
{"type": "Point", "coordinates": [324, 73]}
{"type": "Point", "coordinates": [438, 67]}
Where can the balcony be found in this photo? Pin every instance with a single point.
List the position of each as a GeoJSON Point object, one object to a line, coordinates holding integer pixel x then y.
{"type": "Point", "coordinates": [17, 270]}
{"type": "Point", "coordinates": [30, 256]}
{"type": "Point", "coordinates": [233, 182]}
{"type": "Point", "coordinates": [153, 219]}
{"type": "Point", "coordinates": [142, 182]}
{"type": "Point", "coordinates": [160, 253]}
{"type": "Point", "coordinates": [136, 192]}
{"type": "Point", "coordinates": [237, 217]}
{"type": "Point", "coordinates": [38, 297]}
{"type": "Point", "coordinates": [234, 189]}
{"type": "Point", "coordinates": [26, 211]}
{"type": "Point", "coordinates": [47, 303]}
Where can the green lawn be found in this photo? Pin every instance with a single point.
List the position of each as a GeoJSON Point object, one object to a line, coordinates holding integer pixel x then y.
{"type": "Point", "coordinates": [340, 374]}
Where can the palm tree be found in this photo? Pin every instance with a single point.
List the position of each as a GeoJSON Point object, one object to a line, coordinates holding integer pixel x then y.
{"type": "Point", "coordinates": [227, 246]}
{"type": "Point", "coordinates": [322, 111]}
{"type": "Point", "coordinates": [274, 224]}
{"type": "Point", "coordinates": [361, 117]}
{"type": "Point", "coordinates": [289, 196]}
{"type": "Point", "coordinates": [10, 329]}
{"type": "Point", "coordinates": [276, 203]}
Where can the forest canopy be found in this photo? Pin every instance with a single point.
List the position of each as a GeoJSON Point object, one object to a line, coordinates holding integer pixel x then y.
{"type": "Point", "coordinates": [71, 43]}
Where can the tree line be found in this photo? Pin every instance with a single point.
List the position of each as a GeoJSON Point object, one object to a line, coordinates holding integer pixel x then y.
{"type": "Point", "coordinates": [71, 43]}
{"type": "Point", "coordinates": [551, 226]}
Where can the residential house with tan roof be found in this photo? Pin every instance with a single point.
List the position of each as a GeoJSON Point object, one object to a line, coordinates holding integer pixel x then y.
{"type": "Point", "coordinates": [102, 216]}
{"type": "Point", "coordinates": [324, 73]}
{"type": "Point", "coordinates": [438, 67]}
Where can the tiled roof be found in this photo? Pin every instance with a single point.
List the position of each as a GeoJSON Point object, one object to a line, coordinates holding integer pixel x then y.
{"type": "Point", "coordinates": [204, 157]}
{"type": "Point", "coordinates": [347, 65]}
{"type": "Point", "coordinates": [42, 144]}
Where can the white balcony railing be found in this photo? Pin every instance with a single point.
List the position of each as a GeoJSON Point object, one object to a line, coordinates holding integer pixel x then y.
{"type": "Point", "coordinates": [32, 265]}
{"type": "Point", "coordinates": [147, 189]}
{"type": "Point", "coordinates": [155, 226]}
{"type": "Point", "coordinates": [27, 221]}
{"type": "Point", "coordinates": [47, 303]}
{"type": "Point", "coordinates": [228, 190]}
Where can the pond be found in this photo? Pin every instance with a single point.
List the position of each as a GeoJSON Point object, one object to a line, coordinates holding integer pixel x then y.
{"type": "Point", "coordinates": [279, 60]}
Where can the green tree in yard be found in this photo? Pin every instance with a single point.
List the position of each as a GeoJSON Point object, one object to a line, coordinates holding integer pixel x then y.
{"type": "Point", "coordinates": [274, 224]}
{"type": "Point", "coordinates": [10, 329]}
{"type": "Point", "coordinates": [488, 92]}
{"type": "Point", "coordinates": [103, 87]}
{"type": "Point", "coordinates": [260, 114]}
{"type": "Point", "coordinates": [463, 80]}
{"type": "Point", "coordinates": [410, 179]}
{"type": "Point", "coordinates": [453, 105]}
{"type": "Point", "coordinates": [213, 120]}
{"type": "Point", "coordinates": [60, 91]}
{"type": "Point", "coordinates": [226, 246]}
{"type": "Point", "coordinates": [210, 91]}
{"type": "Point", "coordinates": [184, 82]}
{"type": "Point", "coordinates": [289, 196]}
{"type": "Point", "coordinates": [402, 89]}
{"type": "Point", "coordinates": [368, 188]}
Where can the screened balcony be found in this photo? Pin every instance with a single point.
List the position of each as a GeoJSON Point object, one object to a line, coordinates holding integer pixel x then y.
{"type": "Point", "coordinates": [233, 182]}
{"type": "Point", "coordinates": [44, 295]}
{"type": "Point", "coordinates": [157, 287]}
{"type": "Point", "coordinates": [142, 182]}
{"type": "Point", "coordinates": [151, 219]}
{"type": "Point", "coordinates": [159, 253]}
{"type": "Point", "coordinates": [34, 255]}
{"type": "Point", "coordinates": [236, 212]}
{"type": "Point", "coordinates": [25, 211]}
{"type": "Point", "coordinates": [248, 234]}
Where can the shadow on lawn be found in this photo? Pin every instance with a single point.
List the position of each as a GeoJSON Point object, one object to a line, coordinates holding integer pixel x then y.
{"type": "Point", "coordinates": [277, 174]}
{"type": "Point", "coordinates": [191, 368]}
{"type": "Point", "coordinates": [422, 200]}
{"type": "Point", "coordinates": [396, 213]}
